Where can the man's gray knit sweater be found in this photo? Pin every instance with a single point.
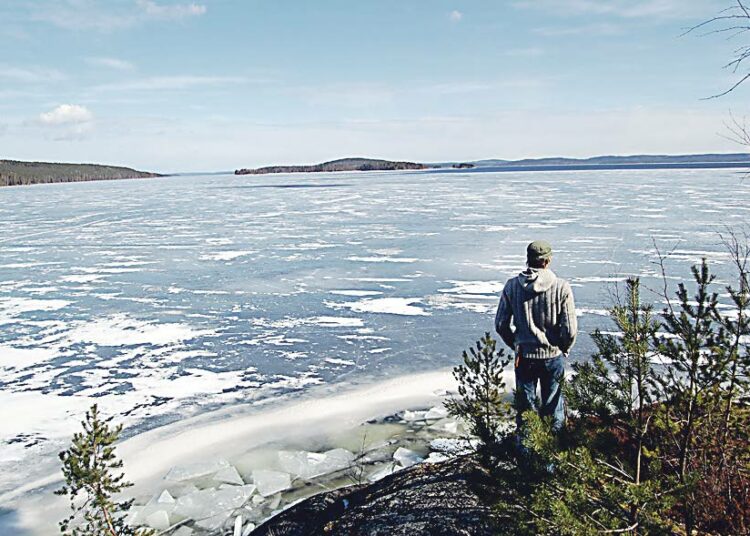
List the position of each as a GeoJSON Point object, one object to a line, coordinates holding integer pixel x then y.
{"type": "Point", "coordinates": [540, 306]}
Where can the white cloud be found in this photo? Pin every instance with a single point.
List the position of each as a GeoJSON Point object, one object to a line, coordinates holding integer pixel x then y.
{"type": "Point", "coordinates": [370, 96]}
{"type": "Point", "coordinates": [361, 95]}
{"type": "Point", "coordinates": [603, 28]}
{"type": "Point", "coordinates": [170, 11]}
{"type": "Point", "coordinates": [157, 83]}
{"type": "Point", "coordinates": [455, 16]}
{"type": "Point", "coordinates": [107, 17]}
{"type": "Point", "coordinates": [621, 8]}
{"type": "Point", "coordinates": [111, 63]}
{"type": "Point", "coordinates": [529, 52]}
{"type": "Point", "coordinates": [83, 15]}
{"type": "Point", "coordinates": [29, 74]}
{"type": "Point", "coordinates": [67, 114]}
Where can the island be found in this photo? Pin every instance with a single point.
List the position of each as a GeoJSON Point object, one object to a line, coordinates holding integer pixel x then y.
{"type": "Point", "coordinates": [343, 164]}
{"type": "Point", "coordinates": [16, 172]}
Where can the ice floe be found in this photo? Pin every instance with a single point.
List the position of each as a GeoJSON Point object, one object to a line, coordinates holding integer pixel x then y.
{"type": "Point", "coordinates": [196, 470]}
{"type": "Point", "coordinates": [406, 457]}
{"type": "Point", "coordinates": [308, 465]}
{"type": "Point", "coordinates": [270, 482]}
{"type": "Point", "coordinates": [209, 504]}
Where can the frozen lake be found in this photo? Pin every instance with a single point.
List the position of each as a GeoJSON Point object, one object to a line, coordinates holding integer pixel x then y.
{"type": "Point", "coordinates": [169, 297]}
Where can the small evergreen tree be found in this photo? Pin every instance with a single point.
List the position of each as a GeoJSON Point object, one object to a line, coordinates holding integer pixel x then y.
{"type": "Point", "coordinates": [615, 387]}
{"type": "Point", "coordinates": [735, 329]}
{"type": "Point", "coordinates": [92, 479]}
{"type": "Point", "coordinates": [482, 391]}
{"type": "Point", "coordinates": [695, 374]}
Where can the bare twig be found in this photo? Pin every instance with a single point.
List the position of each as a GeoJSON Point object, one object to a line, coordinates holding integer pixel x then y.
{"type": "Point", "coordinates": [734, 20]}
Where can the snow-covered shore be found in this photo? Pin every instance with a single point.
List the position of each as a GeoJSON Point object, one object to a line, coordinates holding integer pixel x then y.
{"type": "Point", "coordinates": [229, 433]}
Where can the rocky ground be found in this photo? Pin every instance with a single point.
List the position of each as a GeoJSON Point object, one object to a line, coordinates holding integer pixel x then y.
{"type": "Point", "coordinates": [448, 498]}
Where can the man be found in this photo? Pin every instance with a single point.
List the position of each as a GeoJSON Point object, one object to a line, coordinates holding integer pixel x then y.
{"type": "Point", "coordinates": [540, 306]}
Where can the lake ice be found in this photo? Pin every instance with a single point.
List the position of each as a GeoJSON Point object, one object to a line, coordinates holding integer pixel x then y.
{"type": "Point", "coordinates": [169, 297]}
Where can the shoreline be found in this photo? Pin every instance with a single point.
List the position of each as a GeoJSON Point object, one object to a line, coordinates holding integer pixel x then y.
{"type": "Point", "coordinates": [227, 432]}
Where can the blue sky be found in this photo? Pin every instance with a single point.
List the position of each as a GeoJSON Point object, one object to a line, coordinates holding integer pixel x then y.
{"type": "Point", "coordinates": [218, 84]}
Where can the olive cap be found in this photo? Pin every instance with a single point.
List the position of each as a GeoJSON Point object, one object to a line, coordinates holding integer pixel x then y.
{"type": "Point", "coordinates": [539, 250]}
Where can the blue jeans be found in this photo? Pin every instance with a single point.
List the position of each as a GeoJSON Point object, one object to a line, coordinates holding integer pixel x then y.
{"type": "Point", "coordinates": [549, 373]}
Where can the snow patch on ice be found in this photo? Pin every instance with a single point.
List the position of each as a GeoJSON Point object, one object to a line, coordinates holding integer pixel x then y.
{"type": "Point", "coordinates": [474, 287]}
{"type": "Point", "coordinates": [383, 258]}
{"type": "Point", "coordinates": [13, 307]}
{"type": "Point", "coordinates": [226, 255]}
{"type": "Point", "coordinates": [122, 330]}
{"type": "Point", "coordinates": [392, 306]}
{"type": "Point", "coordinates": [356, 293]}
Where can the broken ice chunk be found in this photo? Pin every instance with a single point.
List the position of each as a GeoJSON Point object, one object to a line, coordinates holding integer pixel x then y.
{"type": "Point", "coordinates": [131, 519]}
{"type": "Point", "coordinates": [214, 522]}
{"type": "Point", "coordinates": [446, 425]}
{"type": "Point", "coordinates": [165, 498]}
{"type": "Point", "coordinates": [406, 457]}
{"type": "Point", "coordinates": [238, 526]}
{"type": "Point", "coordinates": [183, 531]}
{"type": "Point", "coordinates": [301, 463]}
{"type": "Point", "coordinates": [229, 475]}
{"type": "Point", "coordinates": [381, 472]}
{"type": "Point", "coordinates": [308, 465]}
{"type": "Point", "coordinates": [411, 416]}
{"type": "Point", "coordinates": [248, 529]}
{"type": "Point", "coordinates": [140, 515]}
{"type": "Point", "coordinates": [255, 513]}
{"type": "Point", "coordinates": [159, 520]}
{"type": "Point", "coordinates": [180, 489]}
{"type": "Point", "coordinates": [181, 473]}
{"type": "Point", "coordinates": [342, 457]}
{"type": "Point", "coordinates": [211, 502]}
{"type": "Point", "coordinates": [438, 412]}
{"type": "Point", "coordinates": [274, 502]}
{"type": "Point", "coordinates": [270, 482]}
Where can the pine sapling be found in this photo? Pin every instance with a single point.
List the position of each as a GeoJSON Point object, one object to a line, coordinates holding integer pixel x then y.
{"type": "Point", "coordinates": [482, 393]}
{"type": "Point", "coordinates": [695, 370]}
{"type": "Point", "coordinates": [93, 477]}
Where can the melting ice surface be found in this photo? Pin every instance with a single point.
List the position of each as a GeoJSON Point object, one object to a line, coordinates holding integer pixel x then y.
{"type": "Point", "coordinates": [169, 297]}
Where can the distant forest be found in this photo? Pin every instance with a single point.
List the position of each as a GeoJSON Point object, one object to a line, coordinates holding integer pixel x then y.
{"type": "Point", "coordinates": [15, 173]}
